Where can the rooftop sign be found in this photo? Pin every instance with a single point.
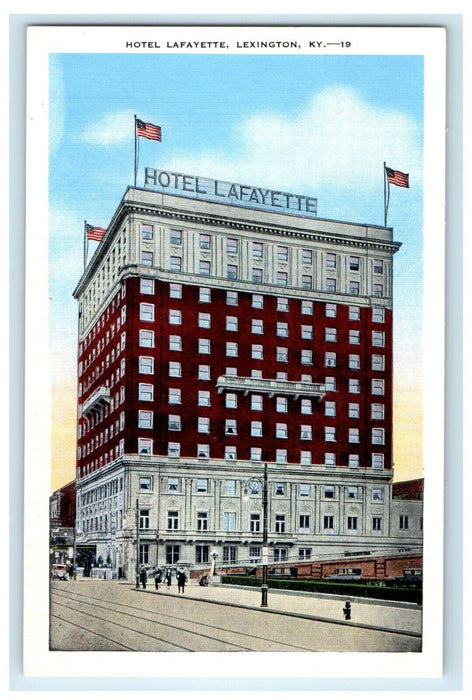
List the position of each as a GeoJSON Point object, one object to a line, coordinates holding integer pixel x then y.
{"type": "Point", "coordinates": [228, 192]}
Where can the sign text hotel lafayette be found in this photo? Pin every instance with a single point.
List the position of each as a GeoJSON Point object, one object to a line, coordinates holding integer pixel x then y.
{"type": "Point", "coordinates": [229, 192]}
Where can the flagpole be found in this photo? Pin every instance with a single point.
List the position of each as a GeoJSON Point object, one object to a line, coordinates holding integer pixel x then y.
{"type": "Point", "coordinates": [85, 244]}
{"type": "Point", "coordinates": [135, 152]}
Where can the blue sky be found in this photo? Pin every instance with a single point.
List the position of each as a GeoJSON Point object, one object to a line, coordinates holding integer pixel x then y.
{"type": "Point", "coordinates": [320, 126]}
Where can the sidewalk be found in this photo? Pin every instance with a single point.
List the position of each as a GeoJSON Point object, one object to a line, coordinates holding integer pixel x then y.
{"type": "Point", "coordinates": [405, 617]}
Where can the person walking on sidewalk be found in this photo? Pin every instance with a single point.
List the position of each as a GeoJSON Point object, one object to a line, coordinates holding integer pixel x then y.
{"type": "Point", "coordinates": [169, 577]}
{"type": "Point", "coordinates": [181, 580]}
{"type": "Point", "coordinates": [157, 578]}
{"type": "Point", "coordinates": [143, 577]}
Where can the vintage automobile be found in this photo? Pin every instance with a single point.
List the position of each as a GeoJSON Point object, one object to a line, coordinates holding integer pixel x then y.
{"type": "Point", "coordinates": [60, 571]}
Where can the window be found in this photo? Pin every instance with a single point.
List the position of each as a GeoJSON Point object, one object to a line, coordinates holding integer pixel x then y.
{"type": "Point", "coordinates": [304, 523]}
{"type": "Point", "coordinates": [305, 457]}
{"type": "Point", "coordinates": [172, 553]}
{"type": "Point", "coordinates": [257, 301]}
{"type": "Point", "coordinates": [231, 349]}
{"type": "Point", "coordinates": [376, 523]}
{"type": "Point", "coordinates": [331, 335]}
{"type": "Point", "coordinates": [254, 554]}
{"type": "Point", "coordinates": [144, 520]}
{"type": "Point", "coordinates": [354, 410]}
{"type": "Point", "coordinates": [145, 483]}
{"type": "Point", "coordinates": [144, 446]}
{"type": "Point", "coordinates": [145, 419]}
{"type": "Point", "coordinates": [328, 522]}
{"type": "Point", "coordinates": [306, 357]}
{"type": "Point", "coordinates": [378, 387]}
{"type": "Point", "coordinates": [330, 284]}
{"type": "Point", "coordinates": [354, 337]}
{"type": "Point", "coordinates": [146, 339]}
{"type": "Point", "coordinates": [330, 383]}
{"type": "Point", "coordinates": [204, 295]}
{"type": "Point", "coordinates": [203, 424]}
{"type": "Point", "coordinates": [378, 339]}
{"type": "Point", "coordinates": [172, 519]}
{"type": "Point", "coordinates": [330, 408]}
{"type": "Point", "coordinates": [378, 290]}
{"type": "Point", "coordinates": [330, 359]}
{"type": "Point", "coordinates": [354, 361]}
{"type": "Point", "coordinates": [229, 521]}
{"type": "Point", "coordinates": [353, 262]}
{"type": "Point", "coordinates": [354, 435]}
{"type": "Point", "coordinates": [175, 396]}
{"type": "Point", "coordinates": [305, 432]}
{"type": "Point", "coordinates": [306, 406]}
{"type": "Point", "coordinates": [307, 332]}
{"type": "Point", "coordinates": [354, 313]}
{"type": "Point", "coordinates": [331, 260]}
{"type": "Point", "coordinates": [256, 454]}
{"type": "Point", "coordinates": [175, 291]}
{"type": "Point", "coordinates": [403, 522]}
{"type": "Point", "coordinates": [331, 310]}
{"type": "Point", "coordinates": [307, 308]}
{"type": "Point", "coordinates": [281, 375]}
{"type": "Point", "coordinates": [377, 495]}
{"type": "Point", "coordinates": [257, 326]}
{"type": "Point", "coordinates": [202, 553]}
{"type": "Point", "coordinates": [280, 489]}
{"type": "Point", "coordinates": [281, 456]}
{"type": "Point", "coordinates": [230, 487]}
{"type": "Point", "coordinates": [377, 461]}
{"type": "Point", "coordinates": [282, 329]}
{"type": "Point", "coordinates": [255, 522]}
{"type": "Point", "coordinates": [354, 288]}
{"type": "Point", "coordinates": [230, 554]}
{"type": "Point", "coordinates": [254, 487]}
{"type": "Point", "coordinates": [330, 434]}
{"type": "Point", "coordinates": [257, 275]}
{"type": "Point", "coordinates": [378, 267]}
{"type": "Point", "coordinates": [204, 320]}
{"type": "Point", "coordinates": [307, 281]}
{"type": "Point", "coordinates": [231, 426]}
{"type": "Point", "coordinates": [281, 430]}
{"type": "Point", "coordinates": [146, 286]}
{"type": "Point", "coordinates": [146, 392]}
{"type": "Point", "coordinates": [175, 369]}
{"type": "Point", "coordinates": [204, 372]}
{"type": "Point", "coordinates": [204, 346]}
{"type": "Point", "coordinates": [175, 342]}
{"type": "Point", "coordinates": [202, 485]}
{"type": "Point", "coordinates": [377, 411]}
{"type": "Point", "coordinates": [174, 423]}
{"type": "Point", "coordinates": [352, 522]}
{"type": "Point", "coordinates": [304, 553]}
{"type": "Point", "coordinates": [282, 304]}
{"type": "Point", "coordinates": [204, 267]}
{"type": "Point", "coordinates": [232, 298]}
{"type": "Point", "coordinates": [378, 314]}
{"type": "Point", "coordinates": [205, 241]}
{"type": "Point", "coordinates": [307, 257]}
{"type": "Point", "coordinates": [282, 279]}
{"type": "Point", "coordinates": [280, 524]}
{"type": "Point", "coordinates": [256, 428]}
{"type": "Point", "coordinates": [353, 461]}
{"type": "Point", "coordinates": [230, 452]}
{"type": "Point", "coordinates": [231, 371]}
{"type": "Point", "coordinates": [175, 263]}
{"type": "Point", "coordinates": [280, 553]}
{"type": "Point", "coordinates": [146, 365]}
{"type": "Point", "coordinates": [378, 436]}
{"type": "Point", "coordinates": [144, 554]}
{"type": "Point", "coordinates": [175, 317]}
{"type": "Point", "coordinates": [354, 386]}
{"type": "Point", "coordinates": [304, 490]}
{"type": "Point", "coordinates": [146, 232]}
{"type": "Point", "coordinates": [282, 253]}
{"type": "Point", "coordinates": [232, 272]}
{"type": "Point", "coordinates": [282, 354]}
{"type": "Point", "coordinates": [378, 363]}
{"type": "Point", "coordinates": [256, 402]}
{"type": "Point", "coordinates": [232, 245]}
{"type": "Point", "coordinates": [231, 400]}
{"type": "Point", "coordinates": [257, 352]}
{"type": "Point", "coordinates": [147, 258]}
{"type": "Point", "coordinates": [257, 250]}
{"type": "Point", "coordinates": [175, 236]}
{"type": "Point", "coordinates": [328, 492]}
{"type": "Point", "coordinates": [281, 404]}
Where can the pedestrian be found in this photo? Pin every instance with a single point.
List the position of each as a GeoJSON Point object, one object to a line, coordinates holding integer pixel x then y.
{"type": "Point", "coordinates": [157, 578]}
{"type": "Point", "coordinates": [143, 577]}
{"type": "Point", "coordinates": [347, 610]}
{"type": "Point", "coordinates": [181, 579]}
{"type": "Point", "coordinates": [169, 577]}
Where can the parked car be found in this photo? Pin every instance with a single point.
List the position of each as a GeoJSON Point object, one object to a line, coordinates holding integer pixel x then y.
{"type": "Point", "coordinates": [60, 571]}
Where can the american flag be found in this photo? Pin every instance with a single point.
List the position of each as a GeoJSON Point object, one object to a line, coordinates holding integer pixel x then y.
{"type": "Point", "coordinates": [395, 177]}
{"type": "Point", "coordinates": [94, 233]}
{"type": "Point", "coordinates": [149, 131]}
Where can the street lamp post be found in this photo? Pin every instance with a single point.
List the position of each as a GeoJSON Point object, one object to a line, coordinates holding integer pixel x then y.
{"type": "Point", "coordinates": [265, 547]}
{"type": "Point", "coordinates": [137, 543]}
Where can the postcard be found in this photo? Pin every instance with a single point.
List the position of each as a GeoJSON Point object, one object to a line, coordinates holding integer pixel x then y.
{"type": "Point", "coordinates": [234, 351]}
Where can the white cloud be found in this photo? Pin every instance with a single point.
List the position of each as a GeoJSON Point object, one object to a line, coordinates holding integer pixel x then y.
{"type": "Point", "coordinates": [56, 104]}
{"type": "Point", "coordinates": [338, 140]}
{"type": "Point", "coordinates": [113, 128]}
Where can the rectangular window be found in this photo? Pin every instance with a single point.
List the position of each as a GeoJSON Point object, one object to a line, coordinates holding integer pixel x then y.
{"type": "Point", "coordinates": [353, 461]}
{"type": "Point", "coordinates": [354, 313]}
{"type": "Point", "coordinates": [256, 428]}
{"type": "Point", "coordinates": [205, 241]}
{"type": "Point", "coordinates": [378, 267]}
{"type": "Point", "coordinates": [281, 404]}
{"type": "Point", "coordinates": [145, 419]}
{"type": "Point", "coordinates": [204, 320]}
{"type": "Point", "coordinates": [204, 372]}
{"type": "Point", "coordinates": [306, 407]}
{"type": "Point", "coordinates": [255, 454]}
{"type": "Point", "coordinates": [330, 408]}
{"type": "Point", "coordinates": [175, 263]}
{"type": "Point", "coordinates": [175, 396]}
{"type": "Point", "coordinates": [147, 258]}
{"type": "Point", "coordinates": [146, 392]}
{"type": "Point", "coordinates": [353, 262]}
{"type": "Point", "coordinates": [257, 301]}
{"type": "Point", "coordinates": [280, 489]}
{"type": "Point", "coordinates": [354, 386]}
{"type": "Point", "coordinates": [376, 523]}
{"type": "Point", "coordinates": [230, 487]}
{"type": "Point", "coordinates": [230, 554]}
{"type": "Point", "coordinates": [280, 553]}
{"type": "Point", "coordinates": [281, 430]}
{"type": "Point", "coordinates": [377, 461]}
{"type": "Point", "coordinates": [354, 435]}
{"type": "Point", "coordinates": [305, 432]}
{"type": "Point", "coordinates": [377, 495]}
{"type": "Point", "coordinates": [204, 398]}
{"type": "Point", "coordinates": [331, 335]}
{"type": "Point", "coordinates": [282, 354]}
{"type": "Point", "coordinates": [378, 290]}
{"type": "Point", "coordinates": [403, 522]}
{"type": "Point", "coordinates": [330, 284]}
{"type": "Point", "coordinates": [231, 349]}
{"type": "Point", "coordinates": [307, 281]}
{"type": "Point", "coordinates": [202, 553]}
{"type": "Point", "coordinates": [175, 291]}
{"type": "Point", "coordinates": [378, 339]}
{"type": "Point", "coordinates": [257, 275]}
{"type": "Point", "coordinates": [328, 522]}
{"type": "Point", "coordinates": [304, 523]}
{"type": "Point", "coordinates": [204, 346]}
{"type": "Point", "coordinates": [174, 423]}
{"type": "Point", "coordinates": [144, 446]}
{"type": "Point", "coordinates": [354, 410]}
{"type": "Point", "coordinates": [230, 452]}
{"type": "Point", "coordinates": [305, 490]}
{"type": "Point", "coordinates": [202, 520]}
{"type": "Point", "coordinates": [231, 426]}
{"type": "Point", "coordinates": [330, 434]}
{"type": "Point", "coordinates": [145, 483]}
{"type": "Point", "coordinates": [257, 352]}
{"type": "Point", "coordinates": [257, 250]}
{"type": "Point", "coordinates": [146, 339]}
{"type": "Point", "coordinates": [146, 232]}
{"type": "Point", "coordinates": [282, 253]}
{"type": "Point", "coordinates": [378, 387]}
{"type": "Point", "coordinates": [354, 361]}
{"type": "Point", "coordinates": [232, 272]}
{"type": "Point", "coordinates": [204, 267]}
{"type": "Point", "coordinates": [331, 310]}
{"type": "Point", "coordinates": [307, 257]}
{"type": "Point", "coordinates": [331, 260]}
{"type": "Point", "coordinates": [173, 520]}
{"type": "Point", "coordinates": [378, 436]}
{"type": "Point", "coordinates": [175, 342]}
{"type": "Point", "coordinates": [146, 365]}
{"type": "Point", "coordinates": [304, 553]}
{"type": "Point", "coordinates": [172, 553]}
{"type": "Point", "coordinates": [282, 279]}
{"type": "Point", "coordinates": [144, 554]}
{"type": "Point", "coordinates": [254, 554]}
{"type": "Point", "coordinates": [144, 519]}
{"type": "Point", "coordinates": [203, 424]}
{"type": "Point", "coordinates": [305, 457]}
{"type": "Point", "coordinates": [232, 245]}
{"type": "Point", "coordinates": [204, 295]}
{"type": "Point", "coordinates": [175, 369]}
{"type": "Point", "coordinates": [378, 314]}
{"type": "Point", "coordinates": [254, 522]}
{"type": "Point", "coordinates": [229, 521]}
{"type": "Point", "coordinates": [231, 298]}
{"type": "Point", "coordinates": [280, 524]}
{"type": "Point", "coordinates": [330, 359]}
{"type": "Point", "coordinates": [175, 317]}
{"type": "Point", "coordinates": [175, 236]}
{"type": "Point", "coordinates": [307, 308]}
{"type": "Point", "coordinates": [257, 326]}
{"type": "Point", "coordinates": [307, 332]}
{"type": "Point", "coordinates": [352, 522]}
{"type": "Point", "coordinates": [146, 286]}
{"type": "Point", "coordinates": [354, 337]}
{"type": "Point", "coordinates": [282, 304]}
{"type": "Point", "coordinates": [281, 456]}
{"type": "Point", "coordinates": [330, 383]}
{"type": "Point", "coordinates": [377, 411]}
{"type": "Point", "coordinates": [202, 485]}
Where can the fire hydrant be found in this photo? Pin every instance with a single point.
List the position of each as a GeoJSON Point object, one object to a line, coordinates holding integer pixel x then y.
{"type": "Point", "coordinates": [347, 610]}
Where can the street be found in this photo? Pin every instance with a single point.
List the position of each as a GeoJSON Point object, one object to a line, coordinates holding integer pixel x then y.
{"type": "Point", "coordinates": [89, 615]}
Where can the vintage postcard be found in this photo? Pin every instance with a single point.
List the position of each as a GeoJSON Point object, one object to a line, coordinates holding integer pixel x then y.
{"type": "Point", "coordinates": [235, 321]}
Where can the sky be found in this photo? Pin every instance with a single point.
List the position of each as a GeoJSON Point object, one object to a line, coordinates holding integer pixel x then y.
{"type": "Point", "coordinates": [321, 126]}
